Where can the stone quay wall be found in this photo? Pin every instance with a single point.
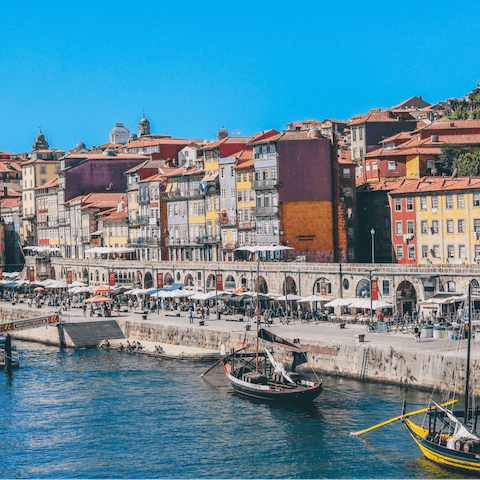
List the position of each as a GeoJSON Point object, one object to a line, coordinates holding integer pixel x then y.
{"type": "Point", "coordinates": [423, 370]}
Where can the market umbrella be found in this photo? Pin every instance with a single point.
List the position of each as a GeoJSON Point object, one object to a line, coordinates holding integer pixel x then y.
{"type": "Point", "coordinates": [101, 288]}
{"type": "Point", "coordinates": [39, 289]}
{"type": "Point", "coordinates": [313, 298]}
{"type": "Point", "coordinates": [340, 302]}
{"type": "Point", "coordinates": [98, 299]}
{"type": "Point", "coordinates": [289, 298]}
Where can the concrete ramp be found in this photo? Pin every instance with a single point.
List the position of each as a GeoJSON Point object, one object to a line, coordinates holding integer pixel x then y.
{"type": "Point", "coordinates": [90, 334]}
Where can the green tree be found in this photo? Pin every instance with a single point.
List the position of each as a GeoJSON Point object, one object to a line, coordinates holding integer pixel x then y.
{"type": "Point", "coordinates": [448, 157]}
{"type": "Point", "coordinates": [468, 164]}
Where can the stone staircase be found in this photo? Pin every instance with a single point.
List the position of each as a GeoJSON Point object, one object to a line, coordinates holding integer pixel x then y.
{"type": "Point", "coordinates": [90, 334]}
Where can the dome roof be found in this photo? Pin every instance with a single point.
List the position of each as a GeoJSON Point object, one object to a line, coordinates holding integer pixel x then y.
{"type": "Point", "coordinates": [40, 142]}
{"type": "Point", "coordinates": [144, 121]}
{"type": "Point", "coordinates": [109, 153]}
{"type": "Point", "coordinates": [133, 136]}
{"type": "Point", "coordinates": [80, 146]}
{"type": "Point", "coordinates": [119, 128]}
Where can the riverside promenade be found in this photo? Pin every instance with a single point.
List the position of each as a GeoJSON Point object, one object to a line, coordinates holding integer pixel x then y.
{"type": "Point", "coordinates": [390, 357]}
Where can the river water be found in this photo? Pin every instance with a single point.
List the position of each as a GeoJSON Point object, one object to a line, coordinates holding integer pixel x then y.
{"type": "Point", "coordinates": [99, 414]}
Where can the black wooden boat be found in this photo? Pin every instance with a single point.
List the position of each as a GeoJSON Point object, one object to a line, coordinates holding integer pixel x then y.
{"type": "Point", "coordinates": [259, 375]}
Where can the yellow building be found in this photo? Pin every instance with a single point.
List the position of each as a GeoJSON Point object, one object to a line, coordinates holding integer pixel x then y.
{"type": "Point", "coordinates": [447, 219]}
{"type": "Point", "coordinates": [245, 174]}
{"type": "Point", "coordinates": [115, 230]}
{"type": "Point", "coordinates": [42, 167]}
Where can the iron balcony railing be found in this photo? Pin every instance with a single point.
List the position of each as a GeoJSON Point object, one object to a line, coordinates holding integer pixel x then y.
{"type": "Point", "coordinates": [265, 211]}
{"type": "Point", "coordinates": [258, 184]}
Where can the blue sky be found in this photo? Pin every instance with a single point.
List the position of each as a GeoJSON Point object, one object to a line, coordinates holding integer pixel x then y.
{"type": "Point", "coordinates": [76, 68]}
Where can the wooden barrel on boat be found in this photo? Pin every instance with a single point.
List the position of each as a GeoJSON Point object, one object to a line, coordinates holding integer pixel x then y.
{"type": "Point", "coordinates": [254, 377]}
{"type": "Point", "coordinates": [471, 446]}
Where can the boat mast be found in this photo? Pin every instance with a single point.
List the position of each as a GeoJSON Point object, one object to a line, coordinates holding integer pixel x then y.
{"type": "Point", "coordinates": [467, 383]}
{"type": "Point", "coordinates": [258, 306]}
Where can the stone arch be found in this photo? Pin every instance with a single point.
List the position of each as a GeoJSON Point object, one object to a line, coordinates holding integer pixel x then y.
{"type": "Point", "coordinates": [475, 285]}
{"type": "Point", "coordinates": [406, 298]}
{"type": "Point", "coordinates": [148, 281]}
{"type": "Point", "coordinates": [97, 276]}
{"type": "Point", "coordinates": [243, 282]}
{"type": "Point", "coordinates": [139, 278]}
{"type": "Point", "coordinates": [291, 286]}
{"type": "Point", "coordinates": [211, 282]}
{"type": "Point", "coordinates": [322, 286]}
{"type": "Point", "coordinates": [449, 286]}
{"type": "Point", "coordinates": [229, 283]}
{"type": "Point", "coordinates": [363, 288]}
{"type": "Point", "coordinates": [261, 285]}
{"type": "Point", "coordinates": [168, 280]}
{"type": "Point", "coordinates": [188, 281]}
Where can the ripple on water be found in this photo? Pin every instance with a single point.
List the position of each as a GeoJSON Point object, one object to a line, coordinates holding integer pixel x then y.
{"type": "Point", "coordinates": [97, 414]}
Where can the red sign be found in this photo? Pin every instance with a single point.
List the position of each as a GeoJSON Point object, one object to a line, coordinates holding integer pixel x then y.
{"type": "Point", "coordinates": [111, 278]}
{"type": "Point", "coordinates": [219, 282]}
{"type": "Point", "coordinates": [374, 290]}
{"type": "Point", "coordinates": [28, 323]}
{"type": "Point", "coordinates": [159, 280]}
{"type": "Point", "coordinates": [69, 277]}
{"type": "Point", "coordinates": [1, 273]}
{"type": "Point", "coordinates": [32, 275]}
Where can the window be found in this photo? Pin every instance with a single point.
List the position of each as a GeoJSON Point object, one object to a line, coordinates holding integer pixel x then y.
{"type": "Point", "coordinates": [460, 201]}
{"type": "Point", "coordinates": [399, 252]}
{"type": "Point", "coordinates": [450, 226]}
{"type": "Point", "coordinates": [436, 251]}
{"type": "Point", "coordinates": [430, 165]}
{"type": "Point", "coordinates": [386, 287]}
{"type": "Point", "coordinates": [450, 251]}
{"type": "Point", "coordinates": [361, 152]}
{"type": "Point", "coordinates": [43, 170]}
{"type": "Point", "coordinates": [392, 165]}
{"type": "Point", "coordinates": [477, 251]}
{"type": "Point", "coordinates": [43, 181]}
{"type": "Point", "coordinates": [462, 252]}
{"type": "Point", "coordinates": [367, 167]}
{"type": "Point", "coordinates": [461, 225]}
{"type": "Point", "coordinates": [424, 226]}
{"type": "Point", "coordinates": [424, 251]}
{"type": "Point", "coordinates": [354, 134]}
{"type": "Point", "coordinates": [346, 173]}
{"type": "Point", "coordinates": [223, 194]}
{"type": "Point", "coordinates": [232, 175]}
{"type": "Point", "coordinates": [245, 176]}
{"type": "Point", "coordinates": [222, 172]}
{"type": "Point", "coordinates": [399, 228]}
{"type": "Point", "coordinates": [434, 204]}
{"type": "Point", "coordinates": [239, 176]}
{"type": "Point", "coordinates": [250, 176]}
{"type": "Point", "coordinates": [449, 201]}
{"type": "Point", "coordinates": [360, 133]}
{"type": "Point", "coordinates": [423, 203]}
{"type": "Point", "coordinates": [409, 204]}
{"type": "Point", "coordinates": [374, 166]}
{"type": "Point", "coordinates": [476, 199]}
{"type": "Point", "coordinates": [398, 204]}
{"type": "Point", "coordinates": [240, 196]}
{"type": "Point", "coordinates": [435, 228]}
{"type": "Point", "coordinates": [411, 252]}
{"type": "Point", "coordinates": [410, 226]}
{"type": "Point", "coordinates": [476, 225]}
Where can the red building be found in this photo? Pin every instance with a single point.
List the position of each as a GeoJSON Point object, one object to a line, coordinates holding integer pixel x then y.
{"type": "Point", "coordinates": [404, 241]}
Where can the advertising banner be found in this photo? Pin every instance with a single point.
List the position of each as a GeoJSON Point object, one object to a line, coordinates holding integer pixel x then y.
{"type": "Point", "coordinates": [28, 323]}
{"type": "Point", "coordinates": [374, 289]}
{"type": "Point", "coordinates": [159, 280]}
{"type": "Point", "coordinates": [219, 282]}
{"type": "Point", "coordinates": [111, 277]}
{"type": "Point", "coordinates": [32, 275]}
{"type": "Point", "coordinates": [69, 277]}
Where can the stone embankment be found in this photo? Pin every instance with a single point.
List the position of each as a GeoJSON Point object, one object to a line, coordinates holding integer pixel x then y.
{"type": "Point", "coordinates": [388, 358]}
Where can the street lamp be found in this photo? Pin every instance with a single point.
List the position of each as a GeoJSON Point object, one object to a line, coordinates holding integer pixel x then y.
{"type": "Point", "coordinates": [372, 232]}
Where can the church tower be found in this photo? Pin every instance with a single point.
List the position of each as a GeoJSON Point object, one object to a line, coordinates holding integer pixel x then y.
{"type": "Point", "coordinates": [143, 126]}
{"type": "Point", "coordinates": [40, 142]}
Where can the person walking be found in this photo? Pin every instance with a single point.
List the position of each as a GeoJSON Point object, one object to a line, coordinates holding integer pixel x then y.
{"type": "Point", "coordinates": [416, 333]}
{"type": "Point", "coordinates": [84, 309]}
{"type": "Point", "coordinates": [190, 314]}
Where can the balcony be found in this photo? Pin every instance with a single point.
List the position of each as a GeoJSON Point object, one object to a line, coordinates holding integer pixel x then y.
{"type": "Point", "coordinates": [139, 220]}
{"type": "Point", "coordinates": [192, 193]}
{"type": "Point", "coordinates": [266, 156]}
{"type": "Point", "coordinates": [179, 241]}
{"type": "Point", "coordinates": [259, 184]}
{"type": "Point", "coordinates": [143, 199]}
{"type": "Point", "coordinates": [230, 246]}
{"type": "Point", "coordinates": [206, 239]}
{"type": "Point", "coordinates": [246, 225]}
{"type": "Point", "coordinates": [259, 211]}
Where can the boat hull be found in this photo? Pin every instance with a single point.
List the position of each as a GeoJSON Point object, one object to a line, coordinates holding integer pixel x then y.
{"type": "Point", "coordinates": [452, 459]}
{"type": "Point", "coordinates": [277, 393]}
